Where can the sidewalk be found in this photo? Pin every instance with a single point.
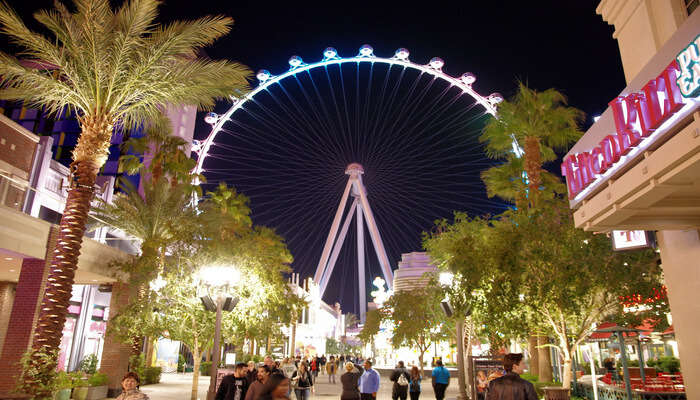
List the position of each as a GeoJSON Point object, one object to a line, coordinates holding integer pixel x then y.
{"type": "Point", "coordinates": [178, 387]}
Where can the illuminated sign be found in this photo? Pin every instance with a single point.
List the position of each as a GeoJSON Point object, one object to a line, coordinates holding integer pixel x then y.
{"type": "Point", "coordinates": [630, 240]}
{"type": "Point", "coordinates": [637, 116]}
{"type": "Point", "coordinates": [689, 65]}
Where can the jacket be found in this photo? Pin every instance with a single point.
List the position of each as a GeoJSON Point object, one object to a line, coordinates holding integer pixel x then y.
{"type": "Point", "coordinates": [302, 382]}
{"type": "Point", "coordinates": [132, 395]}
{"type": "Point", "coordinates": [395, 378]}
{"type": "Point", "coordinates": [350, 381]}
{"type": "Point", "coordinates": [232, 388]}
{"type": "Point", "coordinates": [511, 387]}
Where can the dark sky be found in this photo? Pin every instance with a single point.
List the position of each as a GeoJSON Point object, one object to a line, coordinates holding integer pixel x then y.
{"type": "Point", "coordinates": [295, 182]}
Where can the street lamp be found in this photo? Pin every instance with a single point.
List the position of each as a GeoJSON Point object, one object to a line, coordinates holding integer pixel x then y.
{"type": "Point", "coordinates": [218, 281]}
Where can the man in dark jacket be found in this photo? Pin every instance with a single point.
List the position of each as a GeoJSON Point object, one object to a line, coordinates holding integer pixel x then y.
{"type": "Point", "coordinates": [234, 386]}
{"type": "Point", "coordinates": [511, 386]}
{"type": "Point", "coordinates": [401, 378]}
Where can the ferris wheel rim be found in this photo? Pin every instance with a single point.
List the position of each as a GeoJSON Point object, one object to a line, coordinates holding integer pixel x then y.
{"type": "Point", "coordinates": [366, 54]}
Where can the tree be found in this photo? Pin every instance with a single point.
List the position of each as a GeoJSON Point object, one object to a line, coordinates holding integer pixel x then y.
{"type": "Point", "coordinates": [417, 319]}
{"type": "Point", "coordinates": [564, 279]}
{"type": "Point", "coordinates": [540, 123]}
{"type": "Point", "coordinates": [111, 68]}
{"type": "Point", "coordinates": [373, 321]}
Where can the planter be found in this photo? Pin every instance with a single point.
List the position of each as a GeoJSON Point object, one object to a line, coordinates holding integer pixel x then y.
{"type": "Point", "coordinates": [96, 392]}
{"type": "Point", "coordinates": [62, 394]}
{"type": "Point", "coordinates": [80, 393]}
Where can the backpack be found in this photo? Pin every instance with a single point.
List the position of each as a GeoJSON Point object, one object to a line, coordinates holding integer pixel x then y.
{"type": "Point", "coordinates": [402, 381]}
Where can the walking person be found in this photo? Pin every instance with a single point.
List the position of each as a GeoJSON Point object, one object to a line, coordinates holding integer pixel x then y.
{"type": "Point", "coordinates": [234, 386]}
{"type": "Point", "coordinates": [350, 381]}
{"type": "Point", "coordinates": [401, 379]}
{"type": "Point", "coordinates": [511, 386]}
{"type": "Point", "coordinates": [369, 382]}
{"type": "Point", "coordinates": [303, 382]}
{"type": "Point", "coordinates": [314, 367]}
{"type": "Point", "coordinates": [276, 388]}
{"type": "Point", "coordinates": [414, 387]}
{"type": "Point", "coordinates": [252, 373]}
{"type": "Point", "coordinates": [331, 369]}
{"type": "Point", "coordinates": [441, 379]}
{"type": "Point", "coordinates": [130, 388]}
{"type": "Point", "coordinates": [256, 387]}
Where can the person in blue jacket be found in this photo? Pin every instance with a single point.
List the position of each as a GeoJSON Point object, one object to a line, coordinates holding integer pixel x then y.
{"type": "Point", "coordinates": [441, 379]}
{"type": "Point", "coordinates": [369, 382]}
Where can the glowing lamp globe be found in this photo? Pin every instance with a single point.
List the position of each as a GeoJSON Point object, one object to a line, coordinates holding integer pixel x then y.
{"type": "Point", "coordinates": [211, 118]}
{"type": "Point", "coordinates": [295, 61]}
{"type": "Point", "coordinates": [263, 75]}
{"type": "Point", "coordinates": [401, 54]}
{"type": "Point", "coordinates": [330, 53]}
{"type": "Point", "coordinates": [495, 98]}
{"type": "Point", "coordinates": [436, 63]}
{"type": "Point", "coordinates": [219, 275]}
{"type": "Point", "coordinates": [366, 50]}
{"type": "Point", "coordinates": [445, 278]}
{"type": "Point", "coordinates": [468, 78]}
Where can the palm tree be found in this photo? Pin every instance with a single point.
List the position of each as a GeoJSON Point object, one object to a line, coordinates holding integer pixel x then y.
{"type": "Point", "coordinates": [112, 68]}
{"type": "Point", "coordinates": [540, 123]}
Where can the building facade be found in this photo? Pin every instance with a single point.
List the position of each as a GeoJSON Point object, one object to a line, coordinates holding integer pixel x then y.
{"type": "Point", "coordinates": [638, 166]}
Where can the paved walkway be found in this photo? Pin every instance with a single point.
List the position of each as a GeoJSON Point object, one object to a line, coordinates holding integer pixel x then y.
{"type": "Point", "coordinates": [178, 387]}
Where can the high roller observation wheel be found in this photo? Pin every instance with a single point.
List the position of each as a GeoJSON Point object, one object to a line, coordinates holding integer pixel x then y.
{"type": "Point", "coordinates": [331, 57]}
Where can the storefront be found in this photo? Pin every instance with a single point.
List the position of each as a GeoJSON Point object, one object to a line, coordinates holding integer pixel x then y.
{"type": "Point", "coordinates": [638, 168]}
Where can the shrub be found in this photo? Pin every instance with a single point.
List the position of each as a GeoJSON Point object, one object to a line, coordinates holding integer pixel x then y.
{"type": "Point", "coordinates": [63, 380]}
{"type": "Point", "coordinates": [97, 379]}
{"type": "Point", "coordinates": [669, 364]}
{"type": "Point", "coordinates": [152, 375]}
{"type": "Point", "coordinates": [204, 368]}
{"type": "Point", "coordinates": [88, 364]}
{"type": "Point", "coordinates": [529, 377]}
{"type": "Point", "coordinates": [77, 379]}
{"type": "Point", "coordinates": [180, 363]}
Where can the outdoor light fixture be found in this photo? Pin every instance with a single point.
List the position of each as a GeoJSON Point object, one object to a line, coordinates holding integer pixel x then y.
{"type": "Point", "coordinates": [446, 278]}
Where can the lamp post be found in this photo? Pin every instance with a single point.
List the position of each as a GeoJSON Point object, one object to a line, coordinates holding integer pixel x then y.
{"type": "Point", "coordinates": [217, 282]}
{"type": "Point", "coordinates": [446, 279]}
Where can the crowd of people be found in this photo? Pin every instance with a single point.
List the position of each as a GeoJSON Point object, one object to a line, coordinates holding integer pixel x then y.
{"type": "Point", "coordinates": [275, 380]}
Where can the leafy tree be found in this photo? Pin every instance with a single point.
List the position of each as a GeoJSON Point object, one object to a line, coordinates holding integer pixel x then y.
{"type": "Point", "coordinates": [565, 279]}
{"type": "Point", "coordinates": [540, 123]}
{"type": "Point", "coordinates": [417, 319]}
{"type": "Point", "coordinates": [111, 68]}
{"type": "Point", "coordinates": [373, 320]}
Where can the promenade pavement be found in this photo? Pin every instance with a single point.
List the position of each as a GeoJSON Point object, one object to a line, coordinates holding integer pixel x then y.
{"type": "Point", "coordinates": [178, 387]}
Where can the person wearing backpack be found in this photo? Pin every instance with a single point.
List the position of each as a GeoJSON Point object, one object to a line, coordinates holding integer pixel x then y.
{"type": "Point", "coordinates": [414, 386]}
{"type": "Point", "coordinates": [401, 379]}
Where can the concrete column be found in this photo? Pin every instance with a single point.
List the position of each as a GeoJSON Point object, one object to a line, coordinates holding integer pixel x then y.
{"type": "Point", "coordinates": [22, 321]}
{"type": "Point", "coordinates": [7, 297]}
{"type": "Point", "coordinates": [115, 353]}
{"type": "Point", "coordinates": [680, 257]}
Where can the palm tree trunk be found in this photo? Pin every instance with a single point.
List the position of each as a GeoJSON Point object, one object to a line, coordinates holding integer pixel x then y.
{"type": "Point", "coordinates": [534, 354]}
{"type": "Point", "coordinates": [61, 276]}
{"type": "Point", "coordinates": [533, 166]}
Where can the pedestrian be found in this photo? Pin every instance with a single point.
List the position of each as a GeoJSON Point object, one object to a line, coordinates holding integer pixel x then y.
{"type": "Point", "coordinates": [414, 388]}
{"type": "Point", "coordinates": [511, 386]}
{"type": "Point", "coordinates": [441, 379]}
{"type": "Point", "coordinates": [331, 369]}
{"type": "Point", "coordinates": [369, 382]}
{"type": "Point", "coordinates": [303, 382]}
{"type": "Point", "coordinates": [271, 365]}
{"type": "Point", "coordinates": [314, 367]}
{"type": "Point", "coordinates": [256, 387]}
{"type": "Point", "coordinates": [288, 367]}
{"type": "Point", "coordinates": [130, 388]}
{"type": "Point", "coordinates": [252, 373]}
{"type": "Point", "coordinates": [350, 380]}
{"type": "Point", "coordinates": [322, 363]}
{"type": "Point", "coordinates": [234, 386]}
{"type": "Point", "coordinates": [276, 388]}
{"type": "Point", "coordinates": [401, 379]}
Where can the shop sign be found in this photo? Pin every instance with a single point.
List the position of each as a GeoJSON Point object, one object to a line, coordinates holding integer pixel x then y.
{"type": "Point", "coordinates": [637, 116]}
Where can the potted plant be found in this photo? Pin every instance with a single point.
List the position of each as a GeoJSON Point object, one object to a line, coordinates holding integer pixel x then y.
{"type": "Point", "coordinates": [97, 386]}
{"type": "Point", "coordinates": [63, 383]}
{"type": "Point", "coordinates": [80, 385]}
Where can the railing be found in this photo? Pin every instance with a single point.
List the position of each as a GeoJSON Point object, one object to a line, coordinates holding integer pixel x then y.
{"type": "Point", "coordinates": [607, 392]}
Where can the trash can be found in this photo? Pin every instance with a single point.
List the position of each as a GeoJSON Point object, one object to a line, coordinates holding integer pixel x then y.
{"type": "Point", "coordinates": [556, 393]}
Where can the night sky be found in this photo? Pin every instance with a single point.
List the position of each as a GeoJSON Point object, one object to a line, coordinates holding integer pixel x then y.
{"type": "Point", "coordinates": [292, 165]}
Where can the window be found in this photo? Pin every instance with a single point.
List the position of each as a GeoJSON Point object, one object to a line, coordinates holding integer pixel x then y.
{"type": "Point", "coordinates": [691, 5]}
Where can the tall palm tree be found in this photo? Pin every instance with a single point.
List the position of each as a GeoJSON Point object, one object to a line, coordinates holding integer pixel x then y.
{"type": "Point", "coordinates": [540, 123]}
{"type": "Point", "coordinates": [111, 68]}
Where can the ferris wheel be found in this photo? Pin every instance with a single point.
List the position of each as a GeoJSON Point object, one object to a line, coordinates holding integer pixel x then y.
{"type": "Point", "coordinates": [413, 127]}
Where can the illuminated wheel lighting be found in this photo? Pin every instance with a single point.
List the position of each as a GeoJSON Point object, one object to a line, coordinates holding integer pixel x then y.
{"type": "Point", "coordinates": [401, 54]}
{"type": "Point", "coordinates": [366, 54]}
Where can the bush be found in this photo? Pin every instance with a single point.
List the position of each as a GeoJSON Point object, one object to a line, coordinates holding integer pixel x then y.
{"type": "Point", "coordinates": [530, 377]}
{"type": "Point", "coordinates": [97, 379]}
{"type": "Point", "coordinates": [180, 363]}
{"type": "Point", "coordinates": [151, 375]}
{"type": "Point", "coordinates": [88, 364]}
{"type": "Point", "coordinates": [63, 381]}
{"type": "Point", "coordinates": [669, 364]}
{"type": "Point", "coordinates": [77, 379]}
{"type": "Point", "coordinates": [205, 368]}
